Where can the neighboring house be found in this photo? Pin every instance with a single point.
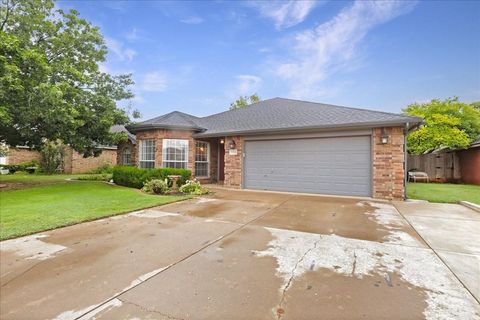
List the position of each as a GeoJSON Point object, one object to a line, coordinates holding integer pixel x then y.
{"type": "Point", "coordinates": [126, 153]}
{"type": "Point", "coordinates": [73, 161]}
{"type": "Point", "coordinates": [447, 165]}
{"type": "Point", "coordinates": [283, 145]}
{"type": "Point", "coordinates": [470, 163]}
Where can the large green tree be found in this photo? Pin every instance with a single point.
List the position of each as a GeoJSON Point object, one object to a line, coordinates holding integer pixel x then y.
{"type": "Point", "coordinates": [244, 101]}
{"type": "Point", "coordinates": [448, 123]}
{"type": "Point", "coordinates": [50, 83]}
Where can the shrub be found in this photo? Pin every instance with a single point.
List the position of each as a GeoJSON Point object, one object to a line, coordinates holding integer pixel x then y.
{"type": "Point", "coordinates": [156, 186]}
{"type": "Point", "coordinates": [29, 166]}
{"type": "Point", "coordinates": [96, 177]}
{"type": "Point", "coordinates": [135, 177]}
{"type": "Point", "coordinates": [52, 154]}
{"type": "Point", "coordinates": [193, 187]}
{"type": "Point", "coordinates": [104, 168]}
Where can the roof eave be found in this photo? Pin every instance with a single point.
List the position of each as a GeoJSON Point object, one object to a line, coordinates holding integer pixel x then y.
{"type": "Point", "coordinates": [145, 127]}
{"type": "Point", "coordinates": [360, 125]}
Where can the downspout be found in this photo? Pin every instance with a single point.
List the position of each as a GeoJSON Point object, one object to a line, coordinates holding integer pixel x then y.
{"type": "Point", "coordinates": [405, 163]}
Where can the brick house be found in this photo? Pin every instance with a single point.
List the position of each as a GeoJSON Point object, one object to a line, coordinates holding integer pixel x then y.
{"type": "Point", "coordinates": [73, 162]}
{"type": "Point", "coordinates": [282, 145]}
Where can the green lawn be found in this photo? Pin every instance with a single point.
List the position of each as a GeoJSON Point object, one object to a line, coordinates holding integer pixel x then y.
{"type": "Point", "coordinates": [22, 180]}
{"type": "Point", "coordinates": [444, 192]}
{"type": "Point", "coordinates": [40, 208]}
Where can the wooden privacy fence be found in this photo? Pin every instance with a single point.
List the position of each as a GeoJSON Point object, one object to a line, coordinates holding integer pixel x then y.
{"type": "Point", "coordinates": [440, 167]}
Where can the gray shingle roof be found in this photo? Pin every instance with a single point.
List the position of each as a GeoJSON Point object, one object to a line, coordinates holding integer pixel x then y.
{"type": "Point", "coordinates": [175, 119]}
{"type": "Point", "coordinates": [277, 114]}
{"type": "Point", "coordinates": [121, 128]}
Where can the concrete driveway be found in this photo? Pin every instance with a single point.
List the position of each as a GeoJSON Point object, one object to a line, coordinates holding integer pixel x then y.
{"type": "Point", "coordinates": [250, 255]}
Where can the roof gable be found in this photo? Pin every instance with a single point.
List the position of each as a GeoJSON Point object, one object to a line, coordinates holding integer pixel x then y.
{"type": "Point", "coordinates": [175, 119]}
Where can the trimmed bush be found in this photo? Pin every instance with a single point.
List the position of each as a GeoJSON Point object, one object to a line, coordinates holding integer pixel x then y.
{"type": "Point", "coordinates": [96, 177]}
{"type": "Point", "coordinates": [193, 187]}
{"type": "Point", "coordinates": [156, 186]}
{"type": "Point", "coordinates": [134, 177]}
{"type": "Point", "coordinates": [29, 167]}
{"type": "Point", "coordinates": [104, 168]}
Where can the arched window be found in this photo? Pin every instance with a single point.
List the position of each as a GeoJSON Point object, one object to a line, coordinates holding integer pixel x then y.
{"type": "Point", "coordinates": [127, 157]}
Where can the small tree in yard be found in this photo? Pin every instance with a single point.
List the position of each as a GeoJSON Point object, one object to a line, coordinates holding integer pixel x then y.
{"type": "Point", "coordinates": [242, 102]}
{"type": "Point", "coordinates": [449, 123]}
{"type": "Point", "coordinates": [52, 156]}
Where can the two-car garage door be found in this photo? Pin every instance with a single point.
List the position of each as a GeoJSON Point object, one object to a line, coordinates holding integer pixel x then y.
{"type": "Point", "coordinates": [339, 165]}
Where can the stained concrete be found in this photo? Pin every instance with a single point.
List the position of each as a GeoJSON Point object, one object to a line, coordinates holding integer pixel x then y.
{"type": "Point", "coordinates": [101, 259]}
{"type": "Point", "coordinates": [453, 232]}
{"type": "Point", "coordinates": [235, 255]}
{"type": "Point", "coordinates": [351, 218]}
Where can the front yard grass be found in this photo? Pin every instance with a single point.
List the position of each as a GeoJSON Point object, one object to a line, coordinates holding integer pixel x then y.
{"type": "Point", "coordinates": [21, 180]}
{"type": "Point", "coordinates": [444, 192]}
{"type": "Point", "coordinates": [46, 207]}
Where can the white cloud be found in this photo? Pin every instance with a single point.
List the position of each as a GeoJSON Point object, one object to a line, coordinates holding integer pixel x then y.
{"type": "Point", "coordinates": [285, 13]}
{"type": "Point", "coordinates": [192, 20]}
{"type": "Point", "coordinates": [332, 46]}
{"type": "Point", "coordinates": [138, 99]}
{"type": "Point", "coordinates": [155, 81]}
{"type": "Point", "coordinates": [118, 49]}
{"type": "Point", "coordinates": [132, 35]}
{"type": "Point", "coordinates": [247, 84]}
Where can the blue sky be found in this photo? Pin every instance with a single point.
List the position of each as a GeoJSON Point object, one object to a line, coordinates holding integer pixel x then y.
{"type": "Point", "coordinates": [197, 57]}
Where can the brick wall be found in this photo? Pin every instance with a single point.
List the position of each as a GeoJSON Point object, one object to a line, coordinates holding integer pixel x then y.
{"type": "Point", "coordinates": [388, 164]}
{"type": "Point", "coordinates": [158, 135]}
{"type": "Point", "coordinates": [133, 152]}
{"type": "Point", "coordinates": [233, 163]}
{"type": "Point", "coordinates": [19, 155]}
{"type": "Point", "coordinates": [73, 161]}
{"type": "Point", "coordinates": [76, 163]}
{"type": "Point", "coordinates": [470, 165]}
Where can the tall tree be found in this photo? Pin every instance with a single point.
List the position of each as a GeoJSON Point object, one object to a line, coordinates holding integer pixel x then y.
{"type": "Point", "coordinates": [449, 123]}
{"type": "Point", "coordinates": [476, 104]}
{"type": "Point", "coordinates": [244, 101]}
{"type": "Point", "coordinates": [50, 83]}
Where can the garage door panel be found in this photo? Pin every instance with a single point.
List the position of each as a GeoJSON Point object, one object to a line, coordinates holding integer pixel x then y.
{"type": "Point", "coordinates": [321, 165]}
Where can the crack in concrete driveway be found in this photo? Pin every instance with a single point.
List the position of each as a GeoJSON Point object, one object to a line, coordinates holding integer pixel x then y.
{"type": "Point", "coordinates": [237, 254]}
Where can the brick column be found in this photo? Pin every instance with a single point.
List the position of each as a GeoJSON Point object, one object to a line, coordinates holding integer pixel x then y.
{"type": "Point", "coordinates": [388, 164]}
{"type": "Point", "coordinates": [233, 163]}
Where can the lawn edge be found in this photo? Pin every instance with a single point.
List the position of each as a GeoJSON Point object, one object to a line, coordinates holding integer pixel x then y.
{"type": "Point", "coordinates": [186, 197]}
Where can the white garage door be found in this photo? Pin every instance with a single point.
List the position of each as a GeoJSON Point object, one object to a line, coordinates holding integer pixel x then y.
{"type": "Point", "coordinates": [339, 166]}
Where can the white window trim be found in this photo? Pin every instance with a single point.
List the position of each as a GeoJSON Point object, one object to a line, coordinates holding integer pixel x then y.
{"type": "Point", "coordinates": [207, 162]}
{"type": "Point", "coordinates": [141, 154]}
{"type": "Point", "coordinates": [164, 152]}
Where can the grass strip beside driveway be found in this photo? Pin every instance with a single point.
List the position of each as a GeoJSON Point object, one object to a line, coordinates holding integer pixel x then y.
{"type": "Point", "coordinates": [444, 192]}
{"type": "Point", "coordinates": [42, 208]}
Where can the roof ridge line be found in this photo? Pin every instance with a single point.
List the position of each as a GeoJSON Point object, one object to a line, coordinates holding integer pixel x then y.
{"type": "Point", "coordinates": [236, 109]}
{"type": "Point", "coordinates": [345, 107]}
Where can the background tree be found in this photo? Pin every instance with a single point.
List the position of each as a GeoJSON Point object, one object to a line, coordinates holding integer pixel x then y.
{"type": "Point", "coordinates": [476, 104]}
{"type": "Point", "coordinates": [244, 101]}
{"type": "Point", "coordinates": [449, 123]}
{"type": "Point", "coordinates": [50, 84]}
